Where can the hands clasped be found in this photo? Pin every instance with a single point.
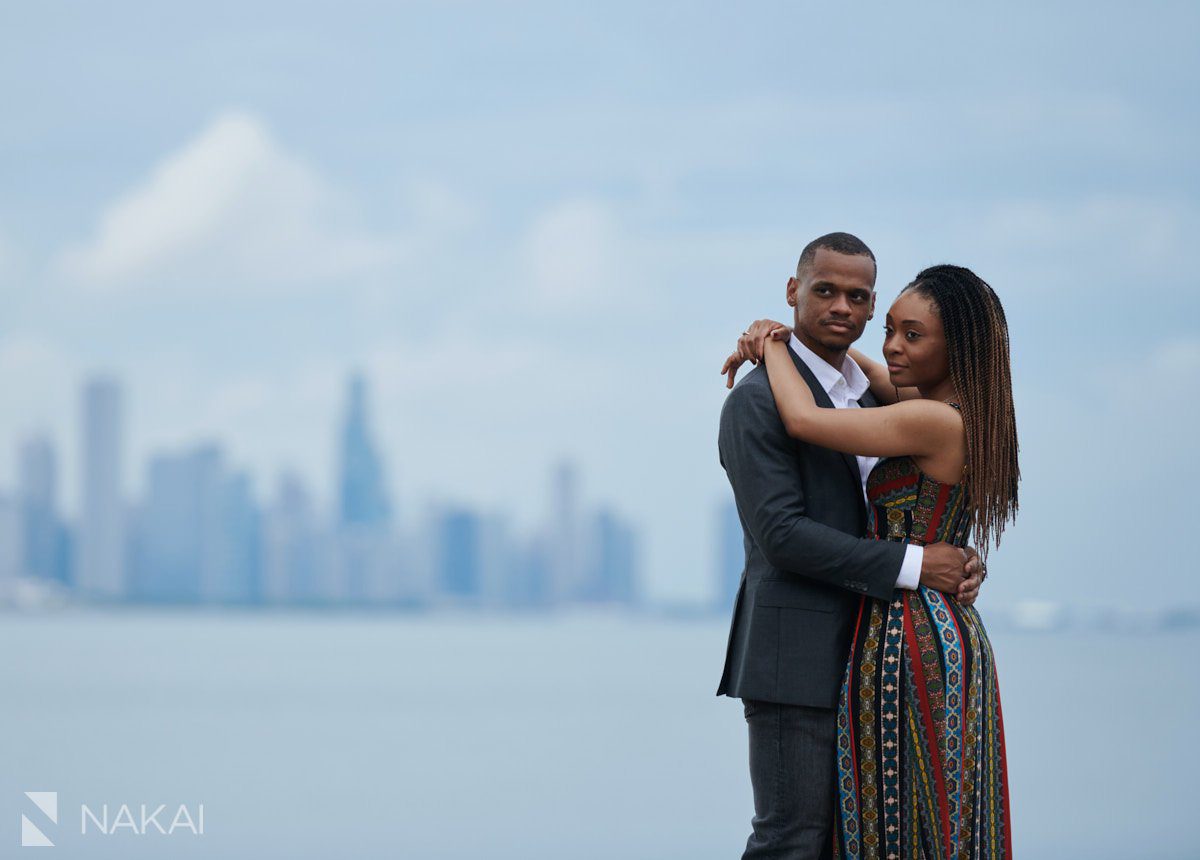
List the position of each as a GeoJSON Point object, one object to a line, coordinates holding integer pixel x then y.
{"type": "Point", "coordinates": [956, 571]}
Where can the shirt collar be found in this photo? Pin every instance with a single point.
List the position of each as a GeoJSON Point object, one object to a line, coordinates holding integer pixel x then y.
{"type": "Point", "coordinates": [851, 374]}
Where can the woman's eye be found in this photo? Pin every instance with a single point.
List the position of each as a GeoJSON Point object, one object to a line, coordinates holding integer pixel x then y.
{"type": "Point", "coordinates": [912, 335]}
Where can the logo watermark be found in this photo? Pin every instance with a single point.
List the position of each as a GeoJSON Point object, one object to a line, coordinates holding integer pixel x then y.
{"type": "Point", "coordinates": [104, 819]}
{"type": "Point", "coordinates": [33, 836]}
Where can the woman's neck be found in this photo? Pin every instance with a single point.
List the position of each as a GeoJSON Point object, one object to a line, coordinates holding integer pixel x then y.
{"type": "Point", "coordinates": [943, 391]}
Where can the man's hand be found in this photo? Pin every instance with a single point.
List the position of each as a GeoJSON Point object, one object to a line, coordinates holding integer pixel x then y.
{"type": "Point", "coordinates": [968, 589]}
{"type": "Point", "coordinates": [943, 567]}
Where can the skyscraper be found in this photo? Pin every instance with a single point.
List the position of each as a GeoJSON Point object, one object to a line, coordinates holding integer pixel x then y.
{"type": "Point", "coordinates": [459, 554]}
{"type": "Point", "coordinates": [529, 574]}
{"type": "Point", "coordinates": [496, 560]}
{"type": "Point", "coordinates": [10, 545]}
{"type": "Point", "coordinates": [564, 539]}
{"type": "Point", "coordinates": [295, 568]}
{"type": "Point", "coordinates": [172, 522]}
{"type": "Point", "coordinates": [44, 536]}
{"type": "Point", "coordinates": [365, 568]}
{"type": "Point", "coordinates": [233, 560]}
{"type": "Point", "coordinates": [613, 560]}
{"type": "Point", "coordinates": [101, 558]}
{"type": "Point", "coordinates": [363, 497]}
{"type": "Point", "coordinates": [197, 531]}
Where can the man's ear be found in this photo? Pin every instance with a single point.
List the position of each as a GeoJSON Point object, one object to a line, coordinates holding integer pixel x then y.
{"type": "Point", "coordinates": [871, 315]}
{"type": "Point", "coordinates": [792, 286]}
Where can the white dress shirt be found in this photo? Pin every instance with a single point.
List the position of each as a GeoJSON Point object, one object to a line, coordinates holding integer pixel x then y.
{"type": "Point", "coordinates": [844, 388]}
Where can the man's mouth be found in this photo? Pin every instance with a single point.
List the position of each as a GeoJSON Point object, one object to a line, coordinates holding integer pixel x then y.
{"type": "Point", "coordinates": [839, 326]}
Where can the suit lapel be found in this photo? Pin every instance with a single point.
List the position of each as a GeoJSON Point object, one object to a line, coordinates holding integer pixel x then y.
{"type": "Point", "coordinates": [822, 398]}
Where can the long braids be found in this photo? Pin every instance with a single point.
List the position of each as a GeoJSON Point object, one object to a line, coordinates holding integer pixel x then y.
{"type": "Point", "coordinates": [978, 355]}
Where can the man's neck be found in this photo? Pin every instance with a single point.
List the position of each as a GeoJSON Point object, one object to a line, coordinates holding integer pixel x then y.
{"type": "Point", "coordinates": [833, 357]}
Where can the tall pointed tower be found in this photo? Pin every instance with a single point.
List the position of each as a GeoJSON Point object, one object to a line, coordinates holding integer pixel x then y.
{"type": "Point", "coordinates": [363, 497]}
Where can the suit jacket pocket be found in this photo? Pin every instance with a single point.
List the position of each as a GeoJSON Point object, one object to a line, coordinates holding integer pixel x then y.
{"type": "Point", "coordinates": [778, 593]}
{"type": "Point", "coordinates": [810, 653]}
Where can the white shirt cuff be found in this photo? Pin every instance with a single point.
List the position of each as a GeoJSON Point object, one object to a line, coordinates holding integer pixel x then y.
{"type": "Point", "coordinates": [910, 571]}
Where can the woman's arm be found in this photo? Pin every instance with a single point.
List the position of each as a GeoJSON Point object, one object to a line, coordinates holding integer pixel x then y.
{"type": "Point", "coordinates": [881, 381]}
{"type": "Point", "coordinates": [917, 427]}
{"type": "Point", "coordinates": [750, 346]}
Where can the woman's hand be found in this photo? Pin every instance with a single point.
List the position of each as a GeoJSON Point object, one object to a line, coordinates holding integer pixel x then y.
{"type": "Point", "coordinates": [750, 346]}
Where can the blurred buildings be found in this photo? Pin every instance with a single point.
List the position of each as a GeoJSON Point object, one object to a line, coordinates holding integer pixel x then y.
{"type": "Point", "coordinates": [198, 534]}
{"type": "Point", "coordinates": [101, 571]}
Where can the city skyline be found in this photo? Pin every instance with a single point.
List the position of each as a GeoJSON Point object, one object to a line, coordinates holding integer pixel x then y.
{"type": "Point", "coordinates": [197, 532]}
{"type": "Point", "coordinates": [200, 533]}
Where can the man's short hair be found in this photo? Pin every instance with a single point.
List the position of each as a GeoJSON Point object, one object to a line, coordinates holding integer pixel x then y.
{"type": "Point", "coordinates": [841, 243]}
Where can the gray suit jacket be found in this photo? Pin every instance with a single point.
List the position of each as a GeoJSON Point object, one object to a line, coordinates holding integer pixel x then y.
{"type": "Point", "coordinates": [807, 562]}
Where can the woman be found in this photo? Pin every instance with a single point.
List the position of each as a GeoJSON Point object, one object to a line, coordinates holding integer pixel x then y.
{"type": "Point", "coordinates": [921, 758]}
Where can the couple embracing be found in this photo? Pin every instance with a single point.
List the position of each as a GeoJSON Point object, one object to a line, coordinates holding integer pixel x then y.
{"type": "Point", "coordinates": [867, 679]}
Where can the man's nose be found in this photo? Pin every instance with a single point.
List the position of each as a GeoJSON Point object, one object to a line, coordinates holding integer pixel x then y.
{"type": "Point", "coordinates": [841, 305]}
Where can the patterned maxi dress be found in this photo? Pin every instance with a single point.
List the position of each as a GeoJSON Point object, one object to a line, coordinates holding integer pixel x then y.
{"type": "Point", "coordinates": [920, 737]}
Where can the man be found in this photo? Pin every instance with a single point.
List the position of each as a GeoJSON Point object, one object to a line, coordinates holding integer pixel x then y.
{"type": "Point", "coordinates": [803, 515]}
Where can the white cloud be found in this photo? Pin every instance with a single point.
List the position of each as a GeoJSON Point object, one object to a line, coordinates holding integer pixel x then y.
{"type": "Point", "coordinates": [230, 206]}
{"type": "Point", "coordinates": [1178, 357]}
{"type": "Point", "coordinates": [1146, 226]}
{"type": "Point", "coordinates": [1155, 383]}
{"type": "Point", "coordinates": [439, 211]}
{"type": "Point", "coordinates": [573, 256]}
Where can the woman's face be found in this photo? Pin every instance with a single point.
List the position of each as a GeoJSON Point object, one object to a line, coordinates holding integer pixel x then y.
{"type": "Point", "coordinates": [915, 345]}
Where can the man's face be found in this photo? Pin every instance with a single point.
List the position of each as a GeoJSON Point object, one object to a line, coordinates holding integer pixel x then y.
{"type": "Point", "coordinates": [834, 297]}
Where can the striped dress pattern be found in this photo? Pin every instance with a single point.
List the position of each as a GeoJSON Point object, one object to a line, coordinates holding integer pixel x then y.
{"type": "Point", "coordinates": [922, 773]}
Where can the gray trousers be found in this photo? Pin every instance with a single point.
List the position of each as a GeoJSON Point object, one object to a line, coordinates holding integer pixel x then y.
{"type": "Point", "coordinates": [794, 776]}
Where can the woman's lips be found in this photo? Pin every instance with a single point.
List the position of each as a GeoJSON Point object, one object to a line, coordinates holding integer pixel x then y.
{"type": "Point", "coordinates": [893, 368]}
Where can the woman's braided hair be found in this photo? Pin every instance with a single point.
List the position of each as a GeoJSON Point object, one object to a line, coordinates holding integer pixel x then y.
{"type": "Point", "coordinates": [978, 356]}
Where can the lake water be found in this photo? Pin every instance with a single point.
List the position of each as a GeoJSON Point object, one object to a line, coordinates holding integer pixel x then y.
{"type": "Point", "coordinates": [464, 736]}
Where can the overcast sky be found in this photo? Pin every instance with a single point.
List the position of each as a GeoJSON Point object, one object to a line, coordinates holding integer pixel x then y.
{"type": "Point", "coordinates": [540, 230]}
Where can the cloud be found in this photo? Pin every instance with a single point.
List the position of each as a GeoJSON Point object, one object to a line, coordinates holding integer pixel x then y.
{"type": "Point", "coordinates": [1149, 227]}
{"type": "Point", "coordinates": [573, 256]}
{"type": "Point", "coordinates": [1154, 383]}
{"type": "Point", "coordinates": [230, 206]}
{"type": "Point", "coordinates": [1180, 358]}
